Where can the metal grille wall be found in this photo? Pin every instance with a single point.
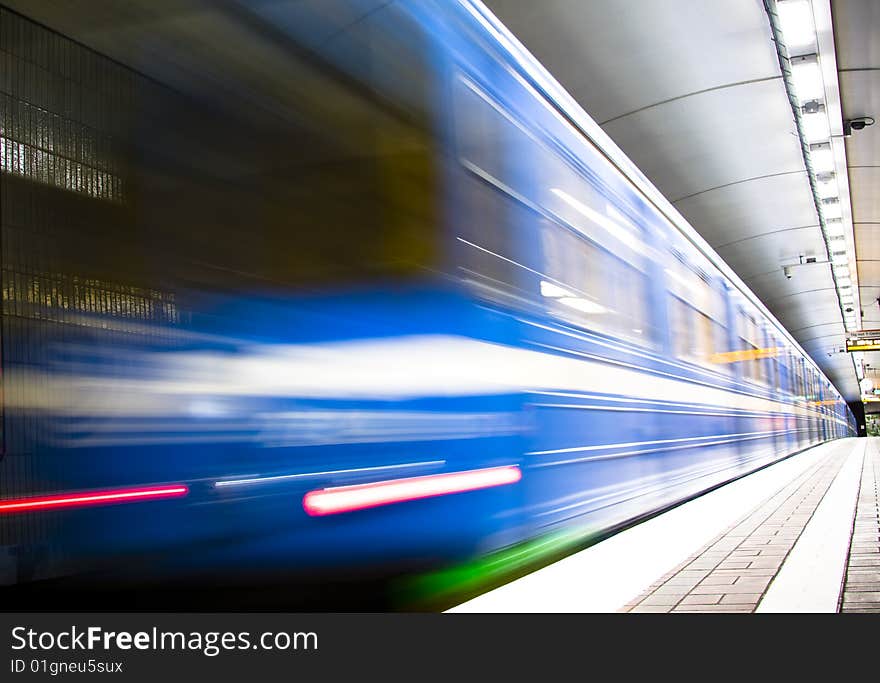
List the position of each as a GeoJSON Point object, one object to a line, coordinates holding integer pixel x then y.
{"type": "Point", "coordinates": [126, 204]}
{"type": "Point", "coordinates": [64, 211]}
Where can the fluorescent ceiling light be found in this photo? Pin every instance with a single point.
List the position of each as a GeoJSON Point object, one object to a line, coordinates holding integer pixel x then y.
{"type": "Point", "coordinates": [832, 229]}
{"type": "Point", "coordinates": [815, 126]}
{"type": "Point", "coordinates": [807, 78]}
{"type": "Point", "coordinates": [796, 22]}
{"type": "Point", "coordinates": [821, 157]}
{"type": "Point", "coordinates": [831, 209]}
{"type": "Point", "coordinates": [827, 188]}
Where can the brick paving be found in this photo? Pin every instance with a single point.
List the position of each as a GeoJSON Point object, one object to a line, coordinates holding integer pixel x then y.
{"type": "Point", "coordinates": [732, 573]}
{"type": "Point", "coordinates": [861, 588]}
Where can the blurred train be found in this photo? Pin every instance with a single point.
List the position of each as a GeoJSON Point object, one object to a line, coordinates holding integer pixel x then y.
{"type": "Point", "coordinates": [401, 301]}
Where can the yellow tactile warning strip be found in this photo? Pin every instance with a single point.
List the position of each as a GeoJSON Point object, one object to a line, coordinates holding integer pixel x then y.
{"type": "Point", "coordinates": [732, 573]}
{"type": "Point", "coordinates": [861, 588]}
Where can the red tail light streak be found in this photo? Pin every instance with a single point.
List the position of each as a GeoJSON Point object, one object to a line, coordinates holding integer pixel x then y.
{"type": "Point", "coordinates": [92, 498]}
{"type": "Point", "coordinates": [360, 496]}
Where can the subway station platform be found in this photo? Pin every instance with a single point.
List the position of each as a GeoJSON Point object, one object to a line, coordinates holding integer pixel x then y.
{"type": "Point", "coordinates": [802, 535]}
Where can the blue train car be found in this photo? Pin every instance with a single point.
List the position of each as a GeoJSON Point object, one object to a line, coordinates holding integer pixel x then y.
{"type": "Point", "coordinates": [568, 357]}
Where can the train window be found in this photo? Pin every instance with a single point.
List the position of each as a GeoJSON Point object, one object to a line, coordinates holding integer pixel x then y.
{"type": "Point", "coordinates": [490, 238]}
{"type": "Point", "coordinates": [782, 365]}
{"type": "Point", "coordinates": [590, 244]}
{"type": "Point", "coordinates": [695, 311]}
{"type": "Point", "coordinates": [565, 255]}
{"type": "Point", "coordinates": [792, 372]}
{"type": "Point", "coordinates": [588, 269]}
{"type": "Point", "coordinates": [492, 145]}
{"type": "Point", "coordinates": [800, 391]}
{"type": "Point", "coordinates": [482, 132]}
{"type": "Point", "coordinates": [777, 360]}
{"type": "Point", "coordinates": [752, 343]}
{"type": "Point", "coordinates": [574, 201]}
{"type": "Point", "coordinates": [768, 360]}
{"type": "Point", "coordinates": [692, 332]}
{"type": "Point", "coordinates": [591, 287]}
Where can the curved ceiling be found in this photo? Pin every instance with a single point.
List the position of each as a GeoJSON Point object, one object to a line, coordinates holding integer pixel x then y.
{"type": "Point", "coordinates": [693, 94]}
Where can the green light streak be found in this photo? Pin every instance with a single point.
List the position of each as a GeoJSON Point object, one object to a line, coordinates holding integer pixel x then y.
{"type": "Point", "coordinates": [460, 582]}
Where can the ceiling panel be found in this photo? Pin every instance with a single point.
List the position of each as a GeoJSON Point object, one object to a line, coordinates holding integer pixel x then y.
{"type": "Point", "coordinates": [869, 271]}
{"type": "Point", "coordinates": [799, 307]}
{"type": "Point", "coordinates": [870, 305]}
{"type": "Point", "coordinates": [732, 213]}
{"type": "Point", "coordinates": [861, 94]}
{"type": "Point", "coordinates": [868, 241]}
{"type": "Point", "coordinates": [713, 138]}
{"type": "Point", "coordinates": [856, 35]}
{"type": "Point", "coordinates": [769, 252]}
{"type": "Point", "coordinates": [864, 193]}
{"type": "Point", "coordinates": [646, 52]}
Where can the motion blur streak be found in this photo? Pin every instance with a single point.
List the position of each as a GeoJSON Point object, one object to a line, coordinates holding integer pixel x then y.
{"type": "Point", "coordinates": [284, 477]}
{"type": "Point", "coordinates": [93, 498]}
{"type": "Point", "coordinates": [405, 367]}
{"type": "Point", "coordinates": [348, 498]}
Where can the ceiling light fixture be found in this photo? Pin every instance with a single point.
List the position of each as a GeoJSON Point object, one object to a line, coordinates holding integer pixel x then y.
{"type": "Point", "coordinates": [796, 20]}
{"type": "Point", "coordinates": [804, 37]}
{"type": "Point", "coordinates": [807, 78]}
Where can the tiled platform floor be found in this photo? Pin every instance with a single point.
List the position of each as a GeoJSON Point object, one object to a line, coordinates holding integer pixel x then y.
{"type": "Point", "coordinates": [734, 571]}
{"type": "Point", "coordinates": [861, 589]}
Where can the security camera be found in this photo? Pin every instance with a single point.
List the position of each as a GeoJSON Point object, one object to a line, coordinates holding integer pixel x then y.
{"type": "Point", "coordinates": [858, 123]}
{"type": "Point", "coordinates": [787, 271]}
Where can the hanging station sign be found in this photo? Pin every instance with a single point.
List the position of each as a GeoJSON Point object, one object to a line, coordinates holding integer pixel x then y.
{"type": "Point", "coordinates": [863, 340]}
